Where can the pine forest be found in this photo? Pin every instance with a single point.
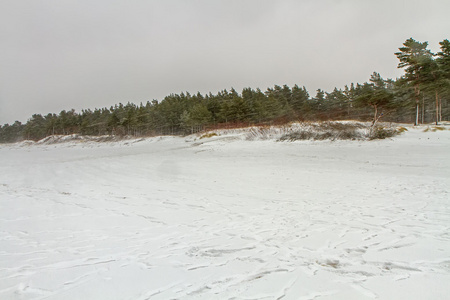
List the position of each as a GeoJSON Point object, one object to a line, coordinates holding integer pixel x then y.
{"type": "Point", "coordinates": [421, 95]}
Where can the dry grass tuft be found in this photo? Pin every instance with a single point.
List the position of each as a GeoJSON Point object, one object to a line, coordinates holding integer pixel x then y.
{"type": "Point", "coordinates": [208, 135]}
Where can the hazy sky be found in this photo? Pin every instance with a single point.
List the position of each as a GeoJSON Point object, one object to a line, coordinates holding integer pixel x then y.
{"type": "Point", "coordinates": [63, 54]}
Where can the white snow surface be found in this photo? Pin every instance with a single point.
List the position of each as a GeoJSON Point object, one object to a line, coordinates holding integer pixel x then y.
{"type": "Point", "coordinates": [226, 218]}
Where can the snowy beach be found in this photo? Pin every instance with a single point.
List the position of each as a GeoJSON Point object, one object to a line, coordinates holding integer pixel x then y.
{"type": "Point", "coordinates": [227, 218]}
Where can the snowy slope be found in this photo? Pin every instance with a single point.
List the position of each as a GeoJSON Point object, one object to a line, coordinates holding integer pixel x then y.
{"type": "Point", "coordinates": [225, 218]}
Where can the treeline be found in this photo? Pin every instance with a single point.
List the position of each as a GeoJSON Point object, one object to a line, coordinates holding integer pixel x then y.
{"type": "Point", "coordinates": [421, 95]}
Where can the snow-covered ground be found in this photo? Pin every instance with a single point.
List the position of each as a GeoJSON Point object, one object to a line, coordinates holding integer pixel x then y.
{"type": "Point", "coordinates": [227, 218]}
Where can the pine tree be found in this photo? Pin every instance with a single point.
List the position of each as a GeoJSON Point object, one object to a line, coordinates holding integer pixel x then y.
{"type": "Point", "coordinates": [376, 95]}
{"type": "Point", "coordinates": [442, 86]}
{"type": "Point", "coordinates": [414, 57]}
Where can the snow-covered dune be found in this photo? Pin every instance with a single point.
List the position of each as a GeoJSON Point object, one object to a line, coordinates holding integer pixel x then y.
{"type": "Point", "coordinates": [226, 218]}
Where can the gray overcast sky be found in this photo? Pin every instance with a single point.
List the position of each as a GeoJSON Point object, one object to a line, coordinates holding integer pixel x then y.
{"type": "Point", "coordinates": [63, 54]}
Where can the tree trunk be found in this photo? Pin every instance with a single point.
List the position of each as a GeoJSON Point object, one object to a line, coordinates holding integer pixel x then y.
{"type": "Point", "coordinates": [375, 115]}
{"type": "Point", "coordinates": [423, 110]}
{"type": "Point", "coordinates": [437, 108]}
{"type": "Point", "coordinates": [417, 114]}
{"type": "Point", "coordinates": [417, 93]}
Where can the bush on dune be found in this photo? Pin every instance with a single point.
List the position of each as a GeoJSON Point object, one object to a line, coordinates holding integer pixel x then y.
{"type": "Point", "coordinates": [339, 131]}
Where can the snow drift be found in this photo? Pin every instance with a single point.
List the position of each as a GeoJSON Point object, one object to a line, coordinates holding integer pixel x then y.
{"type": "Point", "coordinates": [226, 218]}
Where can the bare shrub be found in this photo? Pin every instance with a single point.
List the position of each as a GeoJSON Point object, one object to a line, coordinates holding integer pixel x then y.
{"type": "Point", "coordinates": [326, 131]}
{"type": "Point", "coordinates": [297, 135]}
{"type": "Point", "coordinates": [380, 132]}
{"type": "Point", "coordinates": [267, 132]}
